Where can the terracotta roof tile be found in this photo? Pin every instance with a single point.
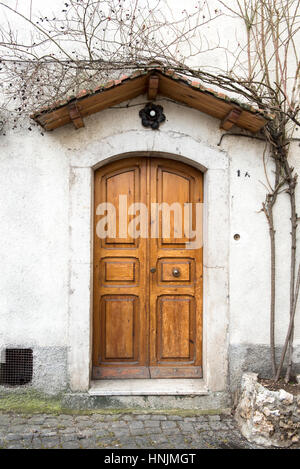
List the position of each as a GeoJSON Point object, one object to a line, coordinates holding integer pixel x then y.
{"type": "Point", "coordinates": [109, 84]}
{"type": "Point", "coordinates": [169, 72]}
{"type": "Point", "coordinates": [137, 73]}
{"type": "Point", "coordinates": [82, 93]}
{"type": "Point", "coordinates": [99, 87]}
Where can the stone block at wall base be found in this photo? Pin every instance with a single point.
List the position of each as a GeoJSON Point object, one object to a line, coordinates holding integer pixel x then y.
{"type": "Point", "coordinates": [268, 418]}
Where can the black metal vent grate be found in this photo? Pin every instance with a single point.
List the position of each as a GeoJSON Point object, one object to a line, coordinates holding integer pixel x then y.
{"type": "Point", "coordinates": [18, 367]}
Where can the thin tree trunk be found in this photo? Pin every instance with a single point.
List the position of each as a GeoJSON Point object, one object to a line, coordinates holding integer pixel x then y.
{"type": "Point", "coordinates": [293, 271]}
{"type": "Point", "coordinates": [268, 209]}
{"type": "Point", "coordinates": [273, 289]}
{"type": "Point", "coordinates": [291, 326]}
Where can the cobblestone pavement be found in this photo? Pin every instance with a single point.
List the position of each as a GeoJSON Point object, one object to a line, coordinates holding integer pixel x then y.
{"type": "Point", "coordinates": [121, 431]}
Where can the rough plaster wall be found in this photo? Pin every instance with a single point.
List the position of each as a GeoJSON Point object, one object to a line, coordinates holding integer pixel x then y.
{"type": "Point", "coordinates": [250, 262]}
{"type": "Point", "coordinates": [250, 255]}
{"type": "Point", "coordinates": [34, 251]}
{"type": "Point", "coordinates": [34, 254]}
{"type": "Point", "coordinates": [34, 241]}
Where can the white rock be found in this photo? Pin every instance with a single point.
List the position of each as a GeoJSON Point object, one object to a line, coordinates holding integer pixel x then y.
{"type": "Point", "coordinates": [257, 417]}
{"type": "Point", "coordinates": [269, 412]}
{"type": "Point", "coordinates": [285, 397]}
{"type": "Point", "coordinates": [265, 398]}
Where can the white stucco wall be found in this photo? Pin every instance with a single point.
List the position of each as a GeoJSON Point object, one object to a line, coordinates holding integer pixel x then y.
{"type": "Point", "coordinates": [45, 248]}
{"type": "Point", "coordinates": [249, 257]}
{"type": "Point", "coordinates": [45, 241]}
{"type": "Point", "coordinates": [34, 240]}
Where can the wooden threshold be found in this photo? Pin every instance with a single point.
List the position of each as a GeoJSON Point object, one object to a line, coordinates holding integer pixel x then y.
{"type": "Point", "coordinates": [143, 372]}
{"type": "Point", "coordinates": [115, 372]}
{"type": "Point", "coordinates": [175, 372]}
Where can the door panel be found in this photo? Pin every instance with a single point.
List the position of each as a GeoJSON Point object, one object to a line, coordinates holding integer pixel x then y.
{"type": "Point", "coordinates": [148, 324]}
{"type": "Point", "coordinates": [120, 297]}
{"type": "Point", "coordinates": [119, 271]}
{"type": "Point", "coordinates": [175, 328]}
{"type": "Point", "coordinates": [176, 285]}
{"type": "Point", "coordinates": [120, 321]}
{"type": "Point", "coordinates": [185, 267]}
{"type": "Point", "coordinates": [126, 182]}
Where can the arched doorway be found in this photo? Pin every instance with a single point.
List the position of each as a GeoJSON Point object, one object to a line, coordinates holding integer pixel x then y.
{"type": "Point", "coordinates": [147, 270]}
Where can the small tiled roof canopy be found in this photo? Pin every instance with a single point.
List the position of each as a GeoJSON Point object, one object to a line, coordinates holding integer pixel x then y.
{"type": "Point", "coordinates": [151, 82]}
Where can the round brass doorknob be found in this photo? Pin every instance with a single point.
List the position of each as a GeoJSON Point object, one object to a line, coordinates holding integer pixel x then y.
{"type": "Point", "coordinates": [153, 270]}
{"type": "Point", "coordinates": [176, 272]}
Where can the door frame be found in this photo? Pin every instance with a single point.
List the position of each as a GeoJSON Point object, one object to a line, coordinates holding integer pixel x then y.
{"type": "Point", "coordinates": [215, 166]}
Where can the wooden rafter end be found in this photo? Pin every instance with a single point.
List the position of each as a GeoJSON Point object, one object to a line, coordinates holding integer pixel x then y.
{"type": "Point", "coordinates": [75, 116]}
{"type": "Point", "coordinates": [231, 119]}
{"type": "Point", "coordinates": [153, 87]}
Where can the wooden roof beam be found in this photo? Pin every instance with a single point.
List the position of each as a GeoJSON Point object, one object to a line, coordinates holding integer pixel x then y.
{"type": "Point", "coordinates": [231, 119]}
{"type": "Point", "coordinates": [153, 83]}
{"type": "Point", "coordinates": [75, 116]}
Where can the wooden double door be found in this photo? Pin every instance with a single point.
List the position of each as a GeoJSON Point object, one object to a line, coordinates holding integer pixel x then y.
{"type": "Point", "coordinates": [147, 283]}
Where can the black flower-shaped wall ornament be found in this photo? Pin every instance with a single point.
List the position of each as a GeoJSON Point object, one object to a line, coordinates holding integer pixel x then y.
{"type": "Point", "coordinates": [152, 115]}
